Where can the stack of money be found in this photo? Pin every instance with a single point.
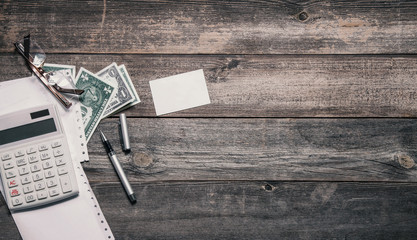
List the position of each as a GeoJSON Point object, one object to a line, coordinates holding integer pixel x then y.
{"type": "Point", "coordinates": [105, 93]}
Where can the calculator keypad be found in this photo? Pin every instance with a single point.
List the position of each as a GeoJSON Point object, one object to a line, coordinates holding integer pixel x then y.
{"type": "Point", "coordinates": [38, 174]}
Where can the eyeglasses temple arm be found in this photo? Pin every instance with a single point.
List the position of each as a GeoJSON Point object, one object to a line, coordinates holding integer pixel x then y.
{"type": "Point", "coordinates": [39, 73]}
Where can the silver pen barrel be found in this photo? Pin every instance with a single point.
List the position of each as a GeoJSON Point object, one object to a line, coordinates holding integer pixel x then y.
{"type": "Point", "coordinates": [121, 174]}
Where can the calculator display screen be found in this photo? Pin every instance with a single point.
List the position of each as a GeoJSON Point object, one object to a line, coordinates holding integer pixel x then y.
{"type": "Point", "coordinates": [27, 131]}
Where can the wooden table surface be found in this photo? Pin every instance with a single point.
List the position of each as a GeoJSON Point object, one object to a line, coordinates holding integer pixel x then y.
{"type": "Point", "coordinates": [311, 133]}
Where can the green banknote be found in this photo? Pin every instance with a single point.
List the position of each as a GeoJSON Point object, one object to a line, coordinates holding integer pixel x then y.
{"type": "Point", "coordinates": [94, 100]}
{"type": "Point", "coordinates": [129, 83]}
{"type": "Point", "coordinates": [123, 95]}
{"type": "Point", "coordinates": [68, 69]}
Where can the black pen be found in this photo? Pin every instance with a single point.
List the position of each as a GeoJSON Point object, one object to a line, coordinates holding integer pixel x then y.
{"type": "Point", "coordinates": [119, 169]}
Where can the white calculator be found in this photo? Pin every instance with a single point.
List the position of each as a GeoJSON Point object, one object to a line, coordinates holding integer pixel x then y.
{"type": "Point", "coordinates": [35, 162]}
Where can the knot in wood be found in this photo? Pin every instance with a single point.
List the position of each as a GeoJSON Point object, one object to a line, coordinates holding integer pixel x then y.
{"type": "Point", "coordinates": [302, 16]}
{"type": "Point", "coordinates": [268, 187]}
{"type": "Point", "coordinates": [142, 159]}
{"type": "Point", "coordinates": [405, 161]}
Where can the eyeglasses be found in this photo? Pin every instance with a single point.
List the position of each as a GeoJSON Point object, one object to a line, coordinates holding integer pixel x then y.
{"type": "Point", "coordinates": [35, 58]}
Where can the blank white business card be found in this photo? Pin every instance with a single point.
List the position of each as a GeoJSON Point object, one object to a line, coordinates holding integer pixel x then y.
{"type": "Point", "coordinates": [179, 92]}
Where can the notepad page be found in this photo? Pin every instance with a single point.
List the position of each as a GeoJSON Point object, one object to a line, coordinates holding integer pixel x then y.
{"type": "Point", "coordinates": [179, 92]}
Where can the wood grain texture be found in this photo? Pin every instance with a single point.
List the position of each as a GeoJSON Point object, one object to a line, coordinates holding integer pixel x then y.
{"type": "Point", "coordinates": [256, 210]}
{"type": "Point", "coordinates": [260, 149]}
{"type": "Point", "coordinates": [267, 86]}
{"type": "Point", "coordinates": [8, 227]}
{"type": "Point", "coordinates": [311, 133]}
{"type": "Point", "coordinates": [261, 210]}
{"type": "Point", "coordinates": [213, 27]}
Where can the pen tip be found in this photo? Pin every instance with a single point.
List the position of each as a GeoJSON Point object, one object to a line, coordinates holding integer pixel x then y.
{"type": "Point", "coordinates": [132, 198]}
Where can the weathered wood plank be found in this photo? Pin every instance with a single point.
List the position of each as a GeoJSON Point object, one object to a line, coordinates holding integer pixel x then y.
{"type": "Point", "coordinates": [256, 210]}
{"type": "Point", "coordinates": [8, 228]}
{"type": "Point", "coordinates": [171, 149]}
{"type": "Point", "coordinates": [213, 27]}
{"type": "Point", "coordinates": [261, 210]}
{"type": "Point", "coordinates": [236, 170]}
{"type": "Point", "coordinates": [267, 86]}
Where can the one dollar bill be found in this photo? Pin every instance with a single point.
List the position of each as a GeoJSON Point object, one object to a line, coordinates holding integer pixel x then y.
{"type": "Point", "coordinates": [129, 82]}
{"type": "Point", "coordinates": [94, 100]}
{"type": "Point", "coordinates": [123, 96]}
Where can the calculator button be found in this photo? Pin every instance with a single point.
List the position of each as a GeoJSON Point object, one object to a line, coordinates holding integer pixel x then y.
{"type": "Point", "coordinates": [17, 201]}
{"type": "Point", "coordinates": [37, 177]}
{"type": "Point", "coordinates": [8, 165]}
{"type": "Point", "coordinates": [62, 170]}
{"type": "Point", "coordinates": [6, 156]}
{"type": "Point", "coordinates": [23, 170]}
{"type": "Point", "coordinates": [26, 180]}
{"type": "Point", "coordinates": [10, 174]}
{"type": "Point", "coordinates": [12, 183]}
{"type": "Point", "coordinates": [14, 192]}
{"type": "Point", "coordinates": [47, 164]}
{"type": "Point", "coordinates": [53, 192]}
{"type": "Point", "coordinates": [50, 173]}
{"type": "Point", "coordinates": [21, 161]}
{"type": "Point", "coordinates": [30, 198]}
{"type": "Point", "coordinates": [40, 185]}
{"type": "Point", "coordinates": [58, 152]}
{"type": "Point", "coordinates": [45, 155]}
{"type": "Point", "coordinates": [43, 147]}
{"type": "Point", "coordinates": [42, 195]}
{"type": "Point", "coordinates": [51, 182]}
{"type": "Point", "coordinates": [31, 150]}
{"type": "Point", "coordinates": [60, 161]}
{"type": "Point", "coordinates": [65, 183]}
{"type": "Point", "coordinates": [33, 158]}
{"type": "Point", "coordinates": [35, 167]}
{"type": "Point", "coordinates": [28, 188]}
{"type": "Point", "coordinates": [19, 153]}
{"type": "Point", "coordinates": [56, 144]}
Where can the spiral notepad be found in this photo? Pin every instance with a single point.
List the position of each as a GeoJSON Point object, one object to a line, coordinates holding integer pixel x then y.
{"type": "Point", "coordinates": [76, 218]}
